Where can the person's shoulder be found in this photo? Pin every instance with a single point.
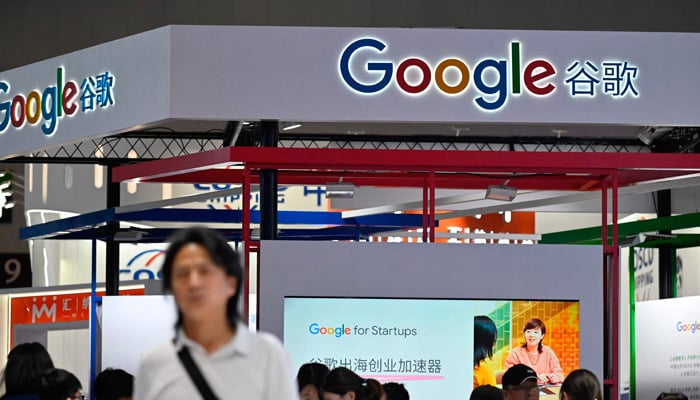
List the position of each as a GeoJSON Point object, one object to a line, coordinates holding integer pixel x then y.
{"type": "Point", "coordinates": [547, 349]}
{"type": "Point", "coordinates": [161, 354]}
{"type": "Point", "coordinates": [20, 397]}
{"type": "Point", "coordinates": [266, 339]}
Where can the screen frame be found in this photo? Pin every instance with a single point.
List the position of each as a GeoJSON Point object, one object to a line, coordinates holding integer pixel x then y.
{"type": "Point", "coordinates": [436, 271]}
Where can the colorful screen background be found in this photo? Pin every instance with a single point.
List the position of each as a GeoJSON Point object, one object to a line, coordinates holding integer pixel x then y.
{"type": "Point", "coordinates": [561, 318]}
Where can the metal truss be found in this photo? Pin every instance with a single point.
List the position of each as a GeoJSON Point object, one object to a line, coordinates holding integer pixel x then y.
{"type": "Point", "coordinates": [120, 149]}
{"type": "Point", "coordinates": [533, 144]}
{"type": "Point", "coordinates": [144, 146]}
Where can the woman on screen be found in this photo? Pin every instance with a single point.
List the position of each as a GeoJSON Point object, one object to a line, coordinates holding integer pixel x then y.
{"type": "Point", "coordinates": [485, 335]}
{"type": "Point", "coordinates": [539, 357]}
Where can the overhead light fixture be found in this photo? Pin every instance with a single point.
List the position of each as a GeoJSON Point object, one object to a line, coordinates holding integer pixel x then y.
{"type": "Point", "coordinates": [340, 190]}
{"type": "Point", "coordinates": [648, 134]}
{"type": "Point", "coordinates": [128, 236]}
{"type": "Point", "coordinates": [633, 240]}
{"type": "Point", "coordinates": [503, 192]}
{"type": "Point", "coordinates": [288, 126]}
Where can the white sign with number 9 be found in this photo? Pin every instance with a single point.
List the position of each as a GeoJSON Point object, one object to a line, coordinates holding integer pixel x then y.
{"type": "Point", "coordinates": [13, 268]}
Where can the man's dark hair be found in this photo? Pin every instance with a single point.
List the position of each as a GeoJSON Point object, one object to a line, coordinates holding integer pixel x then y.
{"type": "Point", "coordinates": [311, 374]}
{"type": "Point", "coordinates": [672, 396]}
{"type": "Point", "coordinates": [112, 384]}
{"type": "Point", "coordinates": [58, 384]}
{"type": "Point", "coordinates": [487, 392]}
{"type": "Point", "coordinates": [221, 254]}
{"type": "Point", "coordinates": [395, 391]}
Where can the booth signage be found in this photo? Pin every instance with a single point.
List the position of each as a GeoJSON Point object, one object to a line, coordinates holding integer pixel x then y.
{"type": "Point", "coordinates": [494, 78]}
{"type": "Point", "coordinates": [46, 107]}
{"type": "Point", "coordinates": [51, 308]}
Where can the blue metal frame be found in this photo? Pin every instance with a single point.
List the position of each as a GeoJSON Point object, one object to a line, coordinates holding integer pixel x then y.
{"type": "Point", "coordinates": [93, 225]}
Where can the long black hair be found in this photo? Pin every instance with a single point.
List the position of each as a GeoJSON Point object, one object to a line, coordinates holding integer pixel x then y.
{"type": "Point", "coordinates": [485, 335]}
{"type": "Point", "coordinates": [221, 254]}
{"type": "Point", "coordinates": [26, 364]}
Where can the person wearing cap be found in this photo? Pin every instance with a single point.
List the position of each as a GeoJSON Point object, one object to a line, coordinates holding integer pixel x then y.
{"type": "Point", "coordinates": [520, 383]}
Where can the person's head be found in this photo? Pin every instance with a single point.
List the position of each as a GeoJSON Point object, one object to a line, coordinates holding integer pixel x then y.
{"type": "Point", "coordinates": [580, 384]}
{"type": "Point", "coordinates": [534, 331]}
{"type": "Point", "coordinates": [309, 380]}
{"type": "Point", "coordinates": [113, 384]}
{"type": "Point", "coordinates": [343, 384]}
{"type": "Point", "coordinates": [204, 274]}
{"type": "Point", "coordinates": [395, 391]}
{"type": "Point", "coordinates": [486, 392]}
{"type": "Point", "coordinates": [520, 383]}
{"type": "Point", "coordinates": [485, 335]}
{"type": "Point", "coordinates": [26, 364]}
{"type": "Point", "coordinates": [59, 384]}
{"type": "Point", "coordinates": [377, 388]}
{"type": "Point", "coordinates": [672, 396]}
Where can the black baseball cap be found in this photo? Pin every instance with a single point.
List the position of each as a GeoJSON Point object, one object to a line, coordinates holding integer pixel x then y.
{"type": "Point", "coordinates": [517, 375]}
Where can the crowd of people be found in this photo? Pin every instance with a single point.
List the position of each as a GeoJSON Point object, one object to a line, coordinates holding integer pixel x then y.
{"type": "Point", "coordinates": [213, 355]}
{"type": "Point", "coordinates": [30, 375]}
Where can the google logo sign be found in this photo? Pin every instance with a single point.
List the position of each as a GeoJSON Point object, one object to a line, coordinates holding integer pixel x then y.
{"type": "Point", "coordinates": [53, 102]}
{"type": "Point", "coordinates": [338, 331]}
{"type": "Point", "coordinates": [493, 93]}
{"type": "Point", "coordinates": [681, 327]}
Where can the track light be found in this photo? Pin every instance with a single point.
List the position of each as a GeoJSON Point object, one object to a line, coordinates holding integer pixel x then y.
{"type": "Point", "coordinates": [647, 134]}
{"type": "Point", "coordinates": [288, 126]}
{"type": "Point", "coordinates": [633, 240]}
{"type": "Point", "coordinates": [503, 192]}
{"type": "Point", "coordinates": [340, 190]}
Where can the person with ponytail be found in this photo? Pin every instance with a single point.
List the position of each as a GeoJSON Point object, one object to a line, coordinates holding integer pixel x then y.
{"type": "Point", "coordinates": [343, 384]}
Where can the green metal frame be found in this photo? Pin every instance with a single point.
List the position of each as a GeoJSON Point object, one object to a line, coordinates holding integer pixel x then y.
{"type": "Point", "coordinates": [593, 235]}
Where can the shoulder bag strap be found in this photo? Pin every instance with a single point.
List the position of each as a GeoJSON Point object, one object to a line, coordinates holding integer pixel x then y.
{"type": "Point", "coordinates": [195, 374]}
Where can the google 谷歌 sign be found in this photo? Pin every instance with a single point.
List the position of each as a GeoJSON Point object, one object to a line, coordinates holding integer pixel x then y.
{"type": "Point", "coordinates": [47, 106]}
{"type": "Point", "coordinates": [493, 79]}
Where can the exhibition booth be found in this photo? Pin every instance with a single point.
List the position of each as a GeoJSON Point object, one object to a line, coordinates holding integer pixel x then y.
{"type": "Point", "coordinates": [395, 301]}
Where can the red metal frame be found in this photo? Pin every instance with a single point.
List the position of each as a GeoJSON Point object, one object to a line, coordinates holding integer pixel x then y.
{"type": "Point", "coordinates": [430, 169]}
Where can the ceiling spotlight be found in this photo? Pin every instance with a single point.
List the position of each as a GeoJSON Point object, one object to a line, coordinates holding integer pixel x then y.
{"type": "Point", "coordinates": [128, 236]}
{"type": "Point", "coordinates": [288, 126]}
{"type": "Point", "coordinates": [340, 190]}
{"type": "Point", "coordinates": [631, 241]}
{"type": "Point", "coordinates": [503, 192]}
{"type": "Point", "coordinates": [647, 134]}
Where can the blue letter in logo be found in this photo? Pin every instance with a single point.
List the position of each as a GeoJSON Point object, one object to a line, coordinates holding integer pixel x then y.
{"type": "Point", "coordinates": [313, 329]}
{"type": "Point", "coordinates": [385, 67]}
{"type": "Point", "coordinates": [49, 110]}
{"type": "Point", "coordinates": [5, 106]}
{"type": "Point", "coordinates": [498, 89]}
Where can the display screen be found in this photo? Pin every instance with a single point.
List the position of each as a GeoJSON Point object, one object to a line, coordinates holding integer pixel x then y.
{"type": "Point", "coordinates": [429, 345]}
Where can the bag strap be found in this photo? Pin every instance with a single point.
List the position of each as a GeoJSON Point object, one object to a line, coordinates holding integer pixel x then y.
{"type": "Point", "coordinates": [195, 374]}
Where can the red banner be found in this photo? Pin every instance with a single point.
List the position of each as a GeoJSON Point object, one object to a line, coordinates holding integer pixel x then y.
{"type": "Point", "coordinates": [51, 308]}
